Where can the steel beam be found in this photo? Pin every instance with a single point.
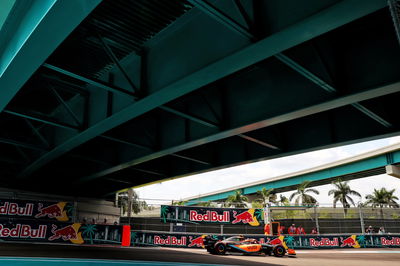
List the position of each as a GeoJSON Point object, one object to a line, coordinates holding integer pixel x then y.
{"type": "Point", "coordinates": [67, 86]}
{"type": "Point", "coordinates": [146, 171]}
{"type": "Point", "coordinates": [26, 41]}
{"type": "Point", "coordinates": [190, 117]}
{"type": "Point", "coordinates": [90, 81]}
{"type": "Point", "coordinates": [394, 6]}
{"type": "Point", "coordinates": [66, 107]}
{"type": "Point", "coordinates": [140, 146]}
{"type": "Point", "coordinates": [244, 14]}
{"type": "Point", "coordinates": [37, 133]}
{"type": "Point", "coordinates": [213, 125]}
{"type": "Point", "coordinates": [322, 84]}
{"type": "Point", "coordinates": [40, 118]}
{"type": "Point", "coordinates": [47, 121]}
{"type": "Point", "coordinates": [262, 143]}
{"type": "Point", "coordinates": [112, 56]}
{"type": "Point", "coordinates": [190, 159]}
{"type": "Point", "coordinates": [213, 12]}
{"type": "Point", "coordinates": [305, 73]}
{"type": "Point", "coordinates": [326, 20]}
{"type": "Point", "coordinates": [233, 25]}
{"type": "Point", "coordinates": [21, 144]}
{"type": "Point", "coordinates": [371, 114]}
{"type": "Point", "coordinates": [314, 109]}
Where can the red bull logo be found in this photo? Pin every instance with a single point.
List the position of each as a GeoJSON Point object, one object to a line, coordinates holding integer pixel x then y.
{"type": "Point", "coordinates": [53, 211]}
{"type": "Point", "coordinates": [349, 242]}
{"type": "Point", "coordinates": [66, 233]}
{"type": "Point", "coordinates": [275, 241]}
{"type": "Point", "coordinates": [245, 217]}
{"type": "Point", "coordinates": [198, 241]}
{"type": "Point", "coordinates": [70, 232]}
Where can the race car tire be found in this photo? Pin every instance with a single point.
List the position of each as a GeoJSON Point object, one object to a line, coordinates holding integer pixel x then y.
{"type": "Point", "coordinates": [211, 251]}
{"type": "Point", "coordinates": [220, 249]}
{"type": "Point", "coordinates": [279, 251]}
{"type": "Point", "coordinates": [267, 251]}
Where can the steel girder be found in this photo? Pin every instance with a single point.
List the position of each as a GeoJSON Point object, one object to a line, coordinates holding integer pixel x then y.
{"type": "Point", "coordinates": [189, 102]}
{"type": "Point", "coordinates": [254, 53]}
{"type": "Point", "coordinates": [27, 40]}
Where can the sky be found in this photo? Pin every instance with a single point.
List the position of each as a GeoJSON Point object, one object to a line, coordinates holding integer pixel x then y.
{"type": "Point", "coordinates": [195, 185]}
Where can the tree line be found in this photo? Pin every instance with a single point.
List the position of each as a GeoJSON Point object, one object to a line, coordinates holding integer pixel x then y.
{"type": "Point", "coordinates": [305, 196]}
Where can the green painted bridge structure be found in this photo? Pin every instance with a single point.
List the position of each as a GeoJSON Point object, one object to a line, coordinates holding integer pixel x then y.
{"type": "Point", "coordinates": [381, 161]}
{"type": "Point", "coordinates": [100, 95]}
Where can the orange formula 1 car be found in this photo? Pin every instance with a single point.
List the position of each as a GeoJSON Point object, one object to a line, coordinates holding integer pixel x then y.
{"type": "Point", "coordinates": [239, 244]}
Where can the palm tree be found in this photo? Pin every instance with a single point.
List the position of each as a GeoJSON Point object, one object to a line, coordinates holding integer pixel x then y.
{"type": "Point", "coordinates": [256, 204]}
{"type": "Point", "coordinates": [206, 204]}
{"type": "Point", "coordinates": [179, 203]}
{"type": "Point", "coordinates": [237, 200]}
{"type": "Point", "coordinates": [302, 196]}
{"type": "Point", "coordinates": [164, 212]}
{"type": "Point", "coordinates": [89, 231]}
{"type": "Point", "coordinates": [283, 201]}
{"type": "Point", "coordinates": [382, 198]}
{"type": "Point", "coordinates": [266, 196]}
{"type": "Point", "coordinates": [342, 193]}
{"type": "Point", "coordinates": [136, 205]}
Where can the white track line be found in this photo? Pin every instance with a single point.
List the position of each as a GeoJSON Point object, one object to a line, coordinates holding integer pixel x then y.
{"type": "Point", "coordinates": [350, 251]}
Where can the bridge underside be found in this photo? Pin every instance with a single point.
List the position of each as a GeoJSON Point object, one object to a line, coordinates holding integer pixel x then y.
{"type": "Point", "coordinates": [142, 91]}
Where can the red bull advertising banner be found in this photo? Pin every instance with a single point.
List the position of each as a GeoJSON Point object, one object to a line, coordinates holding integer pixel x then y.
{"type": "Point", "coordinates": [197, 215]}
{"type": "Point", "coordinates": [58, 211]}
{"type": "Point", "coordinates": [296, 242]}
{"type": "Point", "coordinates": [68, 233]}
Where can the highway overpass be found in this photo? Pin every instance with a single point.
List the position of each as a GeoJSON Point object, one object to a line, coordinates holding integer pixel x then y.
{"type": "Point", "coordinates": [97, 96]}
{"type": "Point", "coordinates": [380, 161]}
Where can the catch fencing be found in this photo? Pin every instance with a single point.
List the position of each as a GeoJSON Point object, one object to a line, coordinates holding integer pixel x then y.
{"type": "Point", "coordinates": [326, 220]}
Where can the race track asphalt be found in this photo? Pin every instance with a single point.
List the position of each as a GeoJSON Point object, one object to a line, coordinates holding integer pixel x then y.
{"type": "Point", "coordinates": [116, 253]}
{"type": "Point", "coordinates": [327, 257]}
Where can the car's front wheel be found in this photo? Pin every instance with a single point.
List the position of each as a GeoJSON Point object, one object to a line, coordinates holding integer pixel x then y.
{"type": "Point", "coordinates": [220, 249]}
{"type": "Point", "coordinates": [279, 251]}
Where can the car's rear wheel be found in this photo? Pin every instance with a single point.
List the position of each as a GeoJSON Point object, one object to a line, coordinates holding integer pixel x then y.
{"type": "Point", "coordinates": [279, 251]}
{"type": "Point", "coordinates": [220, 249]}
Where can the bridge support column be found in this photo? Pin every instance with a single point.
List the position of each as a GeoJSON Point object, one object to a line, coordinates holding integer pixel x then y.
{"type": "Point", "coordinates": [393, 170]}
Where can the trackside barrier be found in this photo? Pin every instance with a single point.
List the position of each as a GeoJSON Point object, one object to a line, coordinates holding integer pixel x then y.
{"type": "Point", "coordinates": [43, 221]}
{"type": "Point", "coordinates": [51, 232]}
{"type": "Point", "coordinates": [303, 242]}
